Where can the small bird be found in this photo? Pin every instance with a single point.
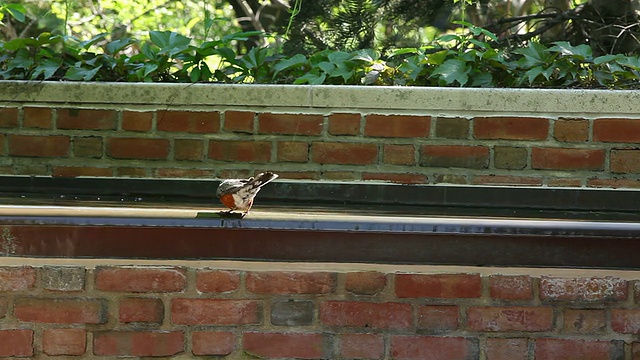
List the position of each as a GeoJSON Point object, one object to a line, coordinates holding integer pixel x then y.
{"type": "Point", "coordinates": [238, 194]}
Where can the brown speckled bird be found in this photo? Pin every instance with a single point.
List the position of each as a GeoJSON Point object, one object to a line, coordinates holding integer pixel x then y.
{"type": "Point", "coordinates": [238, 194]}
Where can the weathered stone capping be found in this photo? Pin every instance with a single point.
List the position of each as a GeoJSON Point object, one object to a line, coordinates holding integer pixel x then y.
{"type": "Point", "coordinates": [193, 312]}
{"type": "Point", "coordinates": [574, 138]}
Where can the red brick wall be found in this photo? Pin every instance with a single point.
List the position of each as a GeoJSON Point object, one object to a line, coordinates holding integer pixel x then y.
{"type": "Point", "coordinates": [534, 151]}
{"type": "Point", "coordinates": [167, 311]}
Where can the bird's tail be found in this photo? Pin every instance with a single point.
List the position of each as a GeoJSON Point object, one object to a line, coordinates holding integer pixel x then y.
{"type": "Point", "coordinates": [262, 179]}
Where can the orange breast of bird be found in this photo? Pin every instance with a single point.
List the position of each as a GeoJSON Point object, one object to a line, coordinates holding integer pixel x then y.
{"type": "Point", "coordinates": [228, 201]}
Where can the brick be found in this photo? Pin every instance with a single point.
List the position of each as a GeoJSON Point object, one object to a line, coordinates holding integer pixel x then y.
{"type": "Point", "coordinates": [188, 121]}
{"type": "Point", "coordinates": [510, 318]}
{"type": "Point", "coordinates": [401, 178]}
{"type": "Point", "coordinates": [63, 278]}
{"type": "Point", "coordinates": [626, 321]}
{"type": "Point", "coordinates": [564, 182]}
{"type": "Point", "coordinates": [433, 347]}
{"type": "Point", "coordinates": [132, 172]}
{"type": "Point", "coordinates": [567, 159]}
{"type": "Point", "coordinates": [141, 280]}
{"type": "Point", "coordinates": [138, 148]}
{"type": "Point", "coordinates": [37, 118]}
{"type": "Point", "coordinates": [87, 146]}
{"type": "Point", "coordinates": [292, 124]}
{"type": "Point", "coordinates": [217, 281]}
{"type": "Point", "coordinates": [87, 119]}
{"type": "Point", "coordinates": [507, 349]}
{"type": "Point", "coordinates": [398, 154]}
{"type": "Point", "coordinates": [141, 310]}
{"type": "Point", "coordinates": [286, 345]}
{"type": "Point", "coordinates": [310, 175]}
{"type": "Point", "coordinates": [16, 342]}
{"type": "Point", "coordinates": [361, 346]}
{"type": "Point", "coordinates": [340, 175]}
{"type": "Point", "coordinates": [293, 151]}
{"type": "Point", "coordinates": [625, 161]}
{"type": "Point", "coordinates": [509, 157]}
{"type": "Point", "coordinates": [403, 126]}
{"type": "Point", "coordinates": [366, 314]}
{"type": "Point", "coordinates": [438, 286]}
{"type": "Point", "coordinates": [438, 318]}
{"type": "Point", "coordinates": [510, 128]}
{"type": "Point", "coordinates": [276, 282]}
{"type": "Point", "coordinates": [3, 141]}
{"type": "Point", "coordinates": [8, 117]}
{"type": "Point", "coordinates": [188, 149]}
{"type": "Point", "coordinates": [30, 169]}
{"type": "Point", "coordinates": [61, 311]}
{"type": "Point", "coordinates": [215, 311]}
{"type": "Point", "coordinates": [244, 151]}
{"type": "Point", "coordinates": [583, 289]}
{"type": "Point", "coordinates": [365, 282]}
{"type": "Point", "coordinates": [185, 173]}
{"type": "Point", "coordinates": [452, 128]}
{"type": "Point", "coordinates": [506, 287]}
{"type": "Point", "coordinates": [39, 146]}
{"type": "Point", "coordinates": [56, 342]}
{"type": "Point", "coordinates": [344, 153]}
{"type": "Point", "coordinates": [344, 124]}
{"type": "Point", "coordinates": [566, 349]}
{"type": "Point", "coordinates": [460, 156]}
{"type": "Point", "coordinates": [138, 343]}
{"type": "Point", "coordinates": [450, 179]}
{"type": "Point", "coordinates": [571, 130]}
{"type": "Point", "coordinates": [239, 121]}
{"type": "Point", "coordinates": [213, 343]}
{"type": "Point", "coordinates": [613, 183]}
{"type": "Point", "coordinates": [584, 321]}
{"type": "Point", "coordinates": [75, 171]}
{"type": "Point", "coordinates": [235, 173]}
{"type": "Point", "coordinates": [506, 180]}
{"type": "Point", "coordinates": [4, 306]}
{"type": "Point", "coordinates": [137, 121]}
{"type": "Point", "coordinates": [17, 278]}
{"type": "Point", "coordinates": [635, 351]}
{"type": "Point", "coordinates": [292, 313]}
{"type": "Point", "coordinates": [616, 130]}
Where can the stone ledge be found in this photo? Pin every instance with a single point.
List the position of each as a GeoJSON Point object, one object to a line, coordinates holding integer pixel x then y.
{"type": "Point", "coordinates": [430, 101]}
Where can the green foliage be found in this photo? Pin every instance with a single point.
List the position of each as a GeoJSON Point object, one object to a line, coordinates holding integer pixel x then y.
{"type": "Point", "coordinates": [465, 58]}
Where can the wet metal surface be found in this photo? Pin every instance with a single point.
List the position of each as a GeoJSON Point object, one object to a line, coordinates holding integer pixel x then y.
{"type": "Point", "coordinates": [322, 222]}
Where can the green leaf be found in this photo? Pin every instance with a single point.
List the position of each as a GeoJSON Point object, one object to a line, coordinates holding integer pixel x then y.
{"type": "Point", "coordinates": [565, 48]}
{"type": "Point", "coordinates": [311, 79]}
{"type": "Point", "coordinates": [533, 73]}
{"type": "Point", "coordinates": [227, 54]}
{"type": "Point", "coordinates": [288, 63]}
{"type": "Point", "coordinates": [438, 58]}
{"type": "Point", "coordinates": [326, 66]}
{"type": "Point", "coordinates": [169, 42]}
{"type": "Point", "coordinates": [46, 68]}
{"type": "Point", "coordinates": [484, 79]}
{"type": "Point", "coordinates": [79, 73]}
{"type": "Point", "coordinates": [194, 76]}
{"type": "Point", "coordinates": [630, 61]}
{"type": "Point", "coordinates": [116, 46]}
{"type": "Point", "coordinates": [367, 55]}
{"type": "Point", "coordinates": [534, 54]}
{"type": "Point", "coordinates": [17, 11]}
{"type": "Point", "coordinates": [241, 36]}
{"type": "Point", "coordinates": [339, 56]}
{"type": "Point", "coordinates": [452, 71]}
{"type": "Point", "coordinates": [607, 58]}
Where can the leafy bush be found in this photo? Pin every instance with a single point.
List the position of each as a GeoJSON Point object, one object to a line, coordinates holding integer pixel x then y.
{"type": "Point", "coordinates": [465, 58]}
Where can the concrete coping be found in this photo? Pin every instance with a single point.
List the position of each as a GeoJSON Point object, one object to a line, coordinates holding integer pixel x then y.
{"type": "Point", "coordinates": [328, 98]}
